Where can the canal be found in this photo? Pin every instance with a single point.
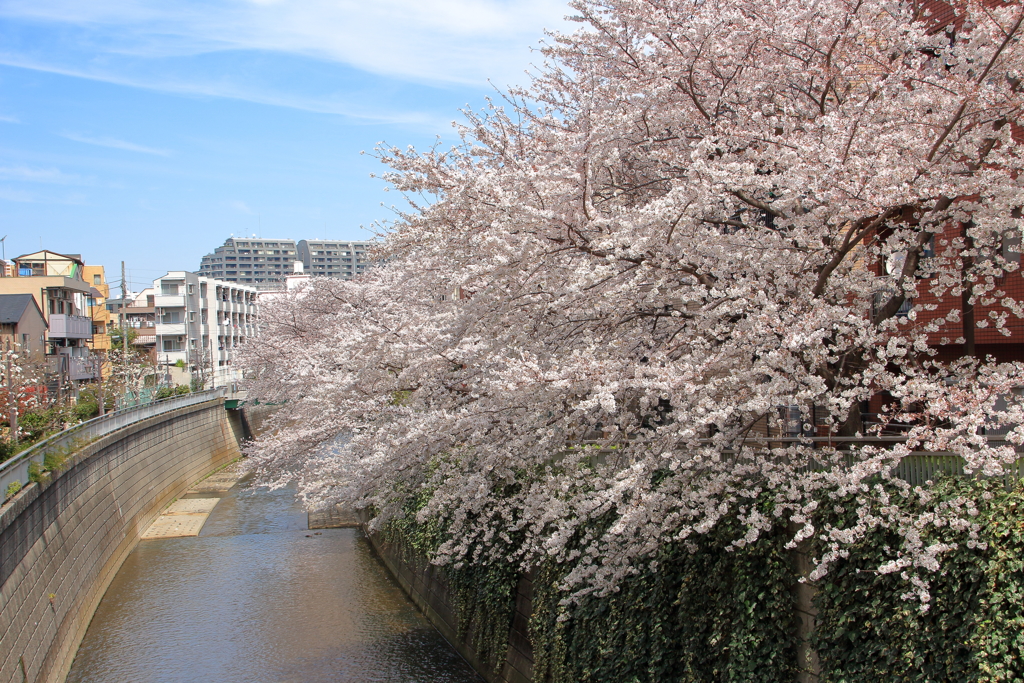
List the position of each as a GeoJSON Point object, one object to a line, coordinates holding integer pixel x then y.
{"type": "Point", "coordinates": [258, 598]}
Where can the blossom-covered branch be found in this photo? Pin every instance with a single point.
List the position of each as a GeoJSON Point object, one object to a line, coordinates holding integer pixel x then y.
{"type": "Point", "coordinates": [697, 214]}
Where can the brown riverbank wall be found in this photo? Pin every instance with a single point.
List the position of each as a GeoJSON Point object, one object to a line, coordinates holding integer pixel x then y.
{"type": "Point", "coordinates": [63, 540]}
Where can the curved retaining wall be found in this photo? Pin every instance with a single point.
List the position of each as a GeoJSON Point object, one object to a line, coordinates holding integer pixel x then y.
{"type": "Point", "coordinates": [427, 586]}
{"type": "Point", "coordinates": [62, 542]}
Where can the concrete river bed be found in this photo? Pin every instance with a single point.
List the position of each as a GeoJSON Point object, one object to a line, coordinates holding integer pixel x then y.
{"type": "Point", "coordinates": [256, 597]}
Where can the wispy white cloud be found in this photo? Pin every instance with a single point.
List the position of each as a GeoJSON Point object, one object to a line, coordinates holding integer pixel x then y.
{"type": "Point", "coordinates": [10, 194]}
{"type": "Point", "coordinates": [114, 143]}
{"type": "Point", "coordinates": [438, 41]}
{"type": "Point", "coordinates": [241, 206]}
{"type": "Point", "coordinates": [42, 175]}
{"type": "Point", "coordinates": [343, 104]}
{"type": "Point", "coordinates": [9, 119]}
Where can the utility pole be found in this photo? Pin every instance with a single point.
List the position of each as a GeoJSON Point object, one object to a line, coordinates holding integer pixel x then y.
{"type": "Point", "coordinates": [124, 333]}
{"type": "Point", "coordinates": [12, 400]}
{"type": "Point", "coordinates": [99, 370]}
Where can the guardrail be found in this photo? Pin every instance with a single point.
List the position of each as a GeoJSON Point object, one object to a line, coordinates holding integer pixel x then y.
{"type": "Point", "coordinates": [916, 468]}
{"type": "Point", "coordinates": [17, 468]}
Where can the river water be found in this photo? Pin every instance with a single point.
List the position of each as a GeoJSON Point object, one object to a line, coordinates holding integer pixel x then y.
{"type": "Point", "coordinates": [258, 598]}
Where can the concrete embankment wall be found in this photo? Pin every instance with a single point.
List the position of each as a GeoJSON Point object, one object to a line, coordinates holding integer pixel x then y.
{"type": "Point", "coordinates": [427, 586]}
{"type": "Point", "coordinates": [62, 541]}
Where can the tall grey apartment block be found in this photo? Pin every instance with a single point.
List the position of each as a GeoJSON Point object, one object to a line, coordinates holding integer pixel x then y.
{"type": "Point", "coordinates": [259, 263]}
{"type": "Point", "coordinates": [331, 258]}
{"type": "Point", "coordinates": [265, 263]}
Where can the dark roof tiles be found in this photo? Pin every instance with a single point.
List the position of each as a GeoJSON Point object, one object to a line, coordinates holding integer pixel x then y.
{"type": "Point", "coordinates": [12, 307]}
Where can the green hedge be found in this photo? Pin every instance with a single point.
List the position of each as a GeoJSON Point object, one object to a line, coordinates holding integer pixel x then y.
{"type": "Point", "coordinates": [974, 627]}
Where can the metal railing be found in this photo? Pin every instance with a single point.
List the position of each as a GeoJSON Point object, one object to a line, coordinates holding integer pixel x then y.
{"type": "Point", "coordinates": [17, 468]}
{"type": "Point", "coordinates": [916, 468]}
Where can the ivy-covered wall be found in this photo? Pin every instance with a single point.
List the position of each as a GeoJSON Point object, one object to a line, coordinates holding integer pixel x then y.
{"type": "Point", "coordinates": [707, 613]}
{"type": "Point", "coordinates": [703, 614]}
{"type": "Point", "coordinates": [973, 627]}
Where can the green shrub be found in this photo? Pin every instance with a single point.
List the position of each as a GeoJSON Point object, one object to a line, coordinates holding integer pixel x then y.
{"type": "Point", "coordinates": [55, 458]}
{"type": "Point", "coordinates": [35, 472]}
{"type": "Point", "coordinates": [37, 423]}
{"type": "Point", "coordinates": [86, 410]}
{"type": "Point", "coordinates": [169, 392]}
{"type": "Point", "coordinates": [12, 489]}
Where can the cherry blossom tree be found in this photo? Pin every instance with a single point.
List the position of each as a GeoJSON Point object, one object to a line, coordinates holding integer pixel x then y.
{"type": "Point", "coordinates": [698, 212]}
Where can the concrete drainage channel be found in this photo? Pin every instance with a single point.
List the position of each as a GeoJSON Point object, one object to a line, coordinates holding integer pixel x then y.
{"type": "Point", "coordinates": [187, 515]}
{"type": "Point", "coordinates": [254, 595]}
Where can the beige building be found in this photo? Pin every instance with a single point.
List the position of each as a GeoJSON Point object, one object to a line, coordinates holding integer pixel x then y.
{"type": "Point", "coordinates": [22, 325]}
{"type": "Point", "coordinates": [58, 286]}
{"type": "Point", "coordinates": [139, 314]}
{"type": "Point", "coordinates": [96, 305]}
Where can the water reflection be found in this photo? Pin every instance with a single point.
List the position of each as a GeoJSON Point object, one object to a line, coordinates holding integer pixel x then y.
{"type": "Point", "coordinates": [258, 598]}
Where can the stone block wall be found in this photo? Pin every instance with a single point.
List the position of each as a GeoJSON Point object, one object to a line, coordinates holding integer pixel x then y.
{"type": "Point", "coordinates": [427, 586]}
{"type": "Point", "coordinates": [62, 541]}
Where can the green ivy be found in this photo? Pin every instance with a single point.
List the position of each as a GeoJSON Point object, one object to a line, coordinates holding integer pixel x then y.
{"type": "Point", "coordinates": [704, 614]}
{"type": "Point", "coordinates": [708, 611]}
{"type": "Point", "coordinates": [973, 629]}
{"type": "Point", "coordinates": [482, 595]}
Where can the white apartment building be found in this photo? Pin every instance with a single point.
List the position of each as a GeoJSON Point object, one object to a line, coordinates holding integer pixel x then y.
{"type": "Point", "coordinates": [200, 321]}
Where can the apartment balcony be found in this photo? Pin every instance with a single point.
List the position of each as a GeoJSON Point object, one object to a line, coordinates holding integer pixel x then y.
{"type": "Point", "coordinates": [74, 367]}
{"type": "Point", "coordinates": [171, 357]}
{"type": "Point", "coordinates": [170, 328]}
{"type": "Point", "coordinates": [64, 326]}
{"type": "Point", "coordinates": [169, 301]}
{"type": "Point", "coordinates": [83, 369]}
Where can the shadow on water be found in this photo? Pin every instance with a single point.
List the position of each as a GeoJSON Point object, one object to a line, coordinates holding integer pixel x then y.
{"type": "Point", "coordinates": [257, 598]}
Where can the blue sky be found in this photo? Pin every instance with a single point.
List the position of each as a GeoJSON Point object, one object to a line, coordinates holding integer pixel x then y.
{"type": "Point", "coordinates": [150, 131]}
